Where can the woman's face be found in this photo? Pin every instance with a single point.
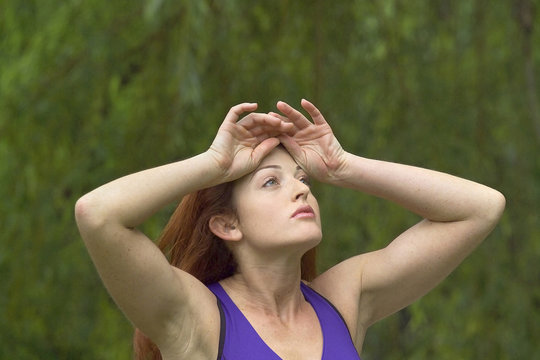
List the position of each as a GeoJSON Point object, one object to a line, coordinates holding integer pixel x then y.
{"type": "Point", "coordinates": [275, 206]}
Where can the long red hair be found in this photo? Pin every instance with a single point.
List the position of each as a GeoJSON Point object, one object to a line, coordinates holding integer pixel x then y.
{"type": "Point", "coordinates": [190, 245]}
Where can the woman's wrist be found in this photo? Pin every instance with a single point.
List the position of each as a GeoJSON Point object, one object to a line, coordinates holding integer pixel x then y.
{"type": "Point", "coordinates": [205, 171]}
{"type": "Point", "coordinates": [342, 173]}
{"type": "Point", "coordinates": [218, 167]}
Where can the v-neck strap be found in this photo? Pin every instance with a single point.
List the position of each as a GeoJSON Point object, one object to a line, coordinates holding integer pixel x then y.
{"type": "Point", "coordinates": [242, 342]}
{"type": "Point", "coordinates": [337, 340]}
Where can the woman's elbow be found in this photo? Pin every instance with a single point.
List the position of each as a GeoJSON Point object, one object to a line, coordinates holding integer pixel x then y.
{"type": "Point", "coordinates": [87, 214]}
{"type": "Point", "coordinates": [494, 208]}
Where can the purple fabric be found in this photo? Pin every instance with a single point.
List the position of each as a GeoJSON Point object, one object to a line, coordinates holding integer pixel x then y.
{"type": "Point", "coordinates": [240, 341]}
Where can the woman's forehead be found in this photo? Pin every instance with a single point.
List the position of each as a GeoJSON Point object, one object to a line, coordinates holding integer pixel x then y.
{"type": "Point", "coordinates": [278, 156]}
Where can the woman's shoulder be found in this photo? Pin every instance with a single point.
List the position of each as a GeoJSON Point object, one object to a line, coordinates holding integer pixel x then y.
{"type": "Point", "coordinates": [343, 280]}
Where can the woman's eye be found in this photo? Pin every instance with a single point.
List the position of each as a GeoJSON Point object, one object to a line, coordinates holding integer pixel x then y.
{"type": "Point", "coordinates": [270, 182]}
{"type": "Point", "coordinates": [305, 180]}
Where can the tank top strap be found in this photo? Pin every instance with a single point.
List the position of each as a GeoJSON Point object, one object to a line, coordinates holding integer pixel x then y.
{"type": "Point", "coordinates": [238, 338]}
{"type": "Point", "coordinates": [338, 343]}
{"type": "Point", "coordinates": [240, 341]}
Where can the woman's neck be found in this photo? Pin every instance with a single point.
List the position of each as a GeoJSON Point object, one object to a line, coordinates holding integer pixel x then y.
{"type": "Point", "coordinates": [272, 288]}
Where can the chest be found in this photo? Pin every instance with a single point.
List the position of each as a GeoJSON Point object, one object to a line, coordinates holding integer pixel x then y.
{"type": "Point", "coordinates": [316, 332]}
{"type": "Point", "coordinates": [300, 338]}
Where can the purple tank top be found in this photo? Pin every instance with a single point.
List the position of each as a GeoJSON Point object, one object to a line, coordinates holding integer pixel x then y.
{"type": "Point", "coordinates": [239, 340]}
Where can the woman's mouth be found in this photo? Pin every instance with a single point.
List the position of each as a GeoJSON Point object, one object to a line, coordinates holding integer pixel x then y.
{"type": "Point", "coordinates": [303, 212]}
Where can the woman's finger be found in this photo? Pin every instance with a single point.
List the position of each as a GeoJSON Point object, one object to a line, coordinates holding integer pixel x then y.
{"type": "Point", "coordinates": [257, 119]}
{"type": "Point", "coordinates": [292, 146]}
{"type": "Point", "coordinates": [263, 130]}
{"type": "Point", "coordinates": [236, 111]}
{"type": "Point", "coordinates": [259, 123]}
{"type": "Point", "coordinates": [315, 114]}
{"type": "Point", "coordinates": [293, 130]}
{"type": "Point", "coordinates": [261, 133]}
{"type": "Point", "coordinates": [295, 116]}
{"type": "Point", "coordinates": [264, 148]}
{"type": "Point", "coordinates": [279, 116]}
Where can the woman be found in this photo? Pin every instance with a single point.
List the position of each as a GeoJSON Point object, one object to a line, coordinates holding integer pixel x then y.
{"type": "Point", "coordinates": [240, 283]}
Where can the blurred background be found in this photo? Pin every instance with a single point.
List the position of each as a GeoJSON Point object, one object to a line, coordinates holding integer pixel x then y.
{"type": "Point", "coordinates": [93, 90]}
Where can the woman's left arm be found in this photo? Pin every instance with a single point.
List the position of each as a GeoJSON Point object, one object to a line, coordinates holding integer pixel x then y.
{"type": "Point", "coordinates": [457, 215]}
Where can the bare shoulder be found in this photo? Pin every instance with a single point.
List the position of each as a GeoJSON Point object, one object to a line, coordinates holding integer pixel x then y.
{"type": "Point", "coordinates": [194, 328]}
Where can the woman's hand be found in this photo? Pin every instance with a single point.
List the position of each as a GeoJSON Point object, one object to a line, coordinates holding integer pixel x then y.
{"type": "Point", "coordinates": [312, 144]}
{"type": "Point", "coordinates": [240, 145]}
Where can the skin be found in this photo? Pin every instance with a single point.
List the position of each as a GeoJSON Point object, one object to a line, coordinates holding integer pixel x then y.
{"type": "Point", "coordinates": [268, 242]}
{"type": "Point", "coordinates": [266, 200]}
{"type": "Point", "coordinates": [180, 314]}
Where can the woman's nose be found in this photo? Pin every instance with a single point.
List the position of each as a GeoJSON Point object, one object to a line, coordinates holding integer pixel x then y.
{"type": "Point", "coordinates": [301, 190]}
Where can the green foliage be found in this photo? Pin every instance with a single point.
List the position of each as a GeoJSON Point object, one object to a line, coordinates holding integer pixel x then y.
{"type": "Point", "coordinates": [92, 90]}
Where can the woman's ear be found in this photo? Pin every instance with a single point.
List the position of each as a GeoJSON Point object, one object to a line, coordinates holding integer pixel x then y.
{"type": "Point", "coordinates": [225, 227]}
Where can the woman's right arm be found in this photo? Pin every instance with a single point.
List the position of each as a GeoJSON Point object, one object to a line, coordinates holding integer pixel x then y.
{"type": "Point", "coordinates": [160, 299]}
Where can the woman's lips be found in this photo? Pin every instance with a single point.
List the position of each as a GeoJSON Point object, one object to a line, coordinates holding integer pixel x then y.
{"type": "Point", "coordinates": [303, 212]}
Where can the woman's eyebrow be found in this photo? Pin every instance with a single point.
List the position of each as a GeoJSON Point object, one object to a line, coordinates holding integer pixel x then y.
{"type": "Point", "coordinates": [300, 169]}
{"type": "Point", "coordinates": [264, 167]}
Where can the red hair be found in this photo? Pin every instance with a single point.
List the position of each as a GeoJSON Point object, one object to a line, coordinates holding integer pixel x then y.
{"type": "Point", "coordinates": [191, 246]}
